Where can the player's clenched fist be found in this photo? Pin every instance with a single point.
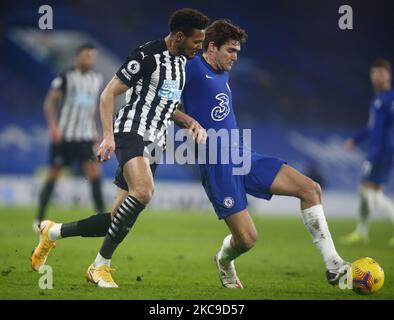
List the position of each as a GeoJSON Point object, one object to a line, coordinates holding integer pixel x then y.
{"type": "Point", "coordinates": [105, 150]}
{"type": "Point", "coordinates": [55, 134]}
{"type": "Point", "coordinates": [198, 132]}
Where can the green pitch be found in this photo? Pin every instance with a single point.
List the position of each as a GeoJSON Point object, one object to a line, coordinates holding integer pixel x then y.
{"type": "Point", "coordinates": [169, 255]}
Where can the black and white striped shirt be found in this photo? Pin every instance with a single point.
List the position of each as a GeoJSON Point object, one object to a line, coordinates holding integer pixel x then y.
{"type": "Point", "coordinates": [156, 79]}
{"type": "Point", "coordinates": [76, 116]}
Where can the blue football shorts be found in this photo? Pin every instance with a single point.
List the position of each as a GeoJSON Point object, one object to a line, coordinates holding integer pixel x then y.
{"type": "Point", "coordinates": [227, 192]}
{"type": "Point", "coordinates": [377, 172]}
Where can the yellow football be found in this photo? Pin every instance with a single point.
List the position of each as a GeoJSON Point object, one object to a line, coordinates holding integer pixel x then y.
{"type": "Point", "coordinates": [368, 276]}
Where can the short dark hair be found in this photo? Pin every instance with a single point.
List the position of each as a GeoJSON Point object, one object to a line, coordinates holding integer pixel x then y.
{"type": "Point", "coordinates": [85, 46]}
{"type": "Point", "coordinates": [221, 31]}
{"type": "Point", "coordinates": [382, 63]}
{"type": "Point", "coordinates": [185, 20]}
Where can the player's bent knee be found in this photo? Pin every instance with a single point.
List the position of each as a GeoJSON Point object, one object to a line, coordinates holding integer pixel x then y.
{"type": "Point", "coordinates": [144, 194]}
{"type": "Point", "coordinates": [246, 241]}
{"type": "Point", "coordinates": [53, 174]}
{"type": "Point", "coordinates": [319, 191]}
{"type": "Point", "coordinates": [95, 175]}
{"type": "Point", "coordinates": [311, 192]}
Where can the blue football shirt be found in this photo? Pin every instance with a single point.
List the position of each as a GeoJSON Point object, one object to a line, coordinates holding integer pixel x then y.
{"type": "Point", "coordinates": [380, 129]}
{"type": "Point", "coordinates": [207, 95]}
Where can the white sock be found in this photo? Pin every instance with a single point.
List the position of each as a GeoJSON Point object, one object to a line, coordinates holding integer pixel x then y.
{"type": "Point", "coordinates": [54, 232]}
{"type": "Point", "coordinates": [101, 261]}
{"type": "Point", "coordinates": [316, 223]}
{"type": "Point", "coordinates": [227, 253]}
{"type": "Point", "coordinates": [367, 203]}
{"type": "Point", "coordinates": [385, 204]}
{"type": "Point", "coordinates": [362, 229]}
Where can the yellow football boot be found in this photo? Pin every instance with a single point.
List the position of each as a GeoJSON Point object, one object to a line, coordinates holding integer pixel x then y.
{"type": "Point", "coordinates": [354, 238]}
{"type": "Point", "coordinates": [101, 276]}
{"type": "Point", "coordinates": [40, 253]}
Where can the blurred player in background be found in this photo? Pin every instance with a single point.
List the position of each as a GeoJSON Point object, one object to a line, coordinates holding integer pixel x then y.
{"type": "Point", "coordinates": [377, 167]}
{"type": "Point", "coordinates": [71, 112]}
{"type": "Point", "coordinates": [207, 97]}
{"type": "Point", "coordinates": [153, 76]}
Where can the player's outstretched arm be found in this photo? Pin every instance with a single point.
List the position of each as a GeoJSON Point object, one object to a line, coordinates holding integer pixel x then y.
{"type": "Point", "coordinates": [107, 102]}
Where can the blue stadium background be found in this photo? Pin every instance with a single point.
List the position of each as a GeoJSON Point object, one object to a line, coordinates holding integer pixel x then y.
{"type": "Point", "coordinates": [301, 84]}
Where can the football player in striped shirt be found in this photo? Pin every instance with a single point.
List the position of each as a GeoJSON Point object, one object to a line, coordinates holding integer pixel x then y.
{"type": "Point", "coordinates": [153, 77]}
{"type": "Point", "coordinates": [72, 126]}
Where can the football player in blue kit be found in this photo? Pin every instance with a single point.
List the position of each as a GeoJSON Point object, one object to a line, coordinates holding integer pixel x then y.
{"type": "Point", "coordinates": [377, 166]}
{"type": "Point", "coordinates": [207, 97]}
